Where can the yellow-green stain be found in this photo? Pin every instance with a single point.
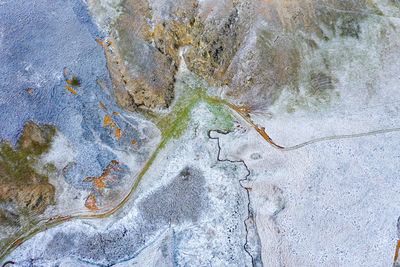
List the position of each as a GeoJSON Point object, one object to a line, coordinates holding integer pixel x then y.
{"type": "Point", "coordinates": [172, 125]}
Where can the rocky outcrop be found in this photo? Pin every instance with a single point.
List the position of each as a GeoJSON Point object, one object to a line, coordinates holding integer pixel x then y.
{"type": "Point", "coordinates": [253, 48]}
{"type": "Point", "coordinates": [35, 197]}
{"type": "Point", "coordinates": [20, 184]}
{"type": "Point", "coordinates": [36, 138]}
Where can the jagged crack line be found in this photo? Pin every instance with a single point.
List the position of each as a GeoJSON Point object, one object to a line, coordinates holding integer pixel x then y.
{"type": "Point", "coordinates": [245, 246]}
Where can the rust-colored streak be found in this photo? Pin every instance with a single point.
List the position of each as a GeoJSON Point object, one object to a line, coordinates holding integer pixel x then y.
{"type": "Point", "coordinates": [8, 262]}
{"type": "Point", "coordinates": [101, 43]}
{"type": "Point", "coordinates": [107, 120]}
{"type": "Point", "coordinates": [118, 133]}
{"type": "Point", "coordinates": [69, 82]}
{"type": "Point", "coordinates": [396, 254]}
{"type": "Point", "coordinates": [71, 90]}
{"type": "Point", "coordinates": [103, 106]}
{"type": "Point", "coordinates": [245, 114]}
{"type": "Point", "coordinates": [88, 179]}
{"type": "Point", "coordinates": [266, 136]}
{"type": "Point", "coordinates": [18, 242]}
{"type": "Point", "coordinates": [90, 202]}
{"type": "Point", "coordinates": [99, 183]}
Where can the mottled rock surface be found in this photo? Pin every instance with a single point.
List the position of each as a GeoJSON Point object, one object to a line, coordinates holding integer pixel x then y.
{"type": "Point", "coordinates": [257, 49]}
{"type": "Point", "coordinates": [25, 193]}
{"type": "Point", "coordinates": [202, 133]}
{"type": "Point", "coordinates": [21, 184]}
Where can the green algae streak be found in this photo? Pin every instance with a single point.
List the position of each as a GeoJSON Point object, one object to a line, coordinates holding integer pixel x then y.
{"type": "Point", "coordinates": [172, 125]}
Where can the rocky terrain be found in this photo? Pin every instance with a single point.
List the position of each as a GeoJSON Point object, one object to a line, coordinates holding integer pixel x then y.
{"type": "Point", "coordinates": [199, 133]}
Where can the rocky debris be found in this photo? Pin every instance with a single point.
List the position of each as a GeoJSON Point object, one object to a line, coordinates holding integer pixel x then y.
{"type": "Point", "coordinates": [194, 200]}
{"type": "Point", "coordinates": [35, 197]}
{"type": "Point", "coordinates": [20, 184]}
{"type": "Point", "coordinates": [273, 55]}
{"type": "Point", "coordinates": [36, 138]}
{"type": "Point", "coordinates": [255, 48]}
{"type": "Point", "coordinates": [149, 36]}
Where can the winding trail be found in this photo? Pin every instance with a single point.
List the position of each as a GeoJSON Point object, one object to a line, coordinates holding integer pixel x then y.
{"type": "Point", "coordinates": [243, 112]}
{"type": "Point", "coordinates": [45, 224]}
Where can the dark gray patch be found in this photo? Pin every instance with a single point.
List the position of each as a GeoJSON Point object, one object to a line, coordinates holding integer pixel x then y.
{"type": "Point", "coordinates": [61, 244]}
{"type": "Point", "coordinates": [255, 156]}
{"type": "Point", "coordinates": [349, 26]}
{"type": "Point", "coordinates": [183, 199]}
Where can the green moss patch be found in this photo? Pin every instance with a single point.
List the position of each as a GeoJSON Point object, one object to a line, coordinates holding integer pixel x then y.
{"type": "Point", "coordinates": [23, 186]}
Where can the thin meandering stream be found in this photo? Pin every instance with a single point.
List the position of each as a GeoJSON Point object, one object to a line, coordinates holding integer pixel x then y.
{"type": "Point", "coordinates": [242, 112]}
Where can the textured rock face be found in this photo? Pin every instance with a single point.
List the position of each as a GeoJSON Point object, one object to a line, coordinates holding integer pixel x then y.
{"type": "Point", "coordinates": [36, 139]}
{"type": "Point", "coordinates": [254, 48]}
{"type": "Point", "coordinates": [41, 51]}
{"type": "Point", "coordinates": [149, 36]}
{"type": "Point", "coordinates": [25, 190]}
{"type": "Point", "coordinates": [219, 79]}
{"type": "Point", "coordinates": [36, 197]}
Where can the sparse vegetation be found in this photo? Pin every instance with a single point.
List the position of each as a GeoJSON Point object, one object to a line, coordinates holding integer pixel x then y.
{"type": "Point", "coordinates": [24, 188]}
{"type": "Point", "coordinates": [74, 81]}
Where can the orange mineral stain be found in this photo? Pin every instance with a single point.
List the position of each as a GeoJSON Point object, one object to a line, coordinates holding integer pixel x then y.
{"type": "Point", "coordinates": [396, 254]}
{"type": "Point", "coordinates": [107, 120]}
{"type": "Point", "coordinates": [134, 142]}
{"type": "Point", "coordinates": [103, 106]}
{"type": "Point", "coordinates": [88, 179]}
{"type": "Point", "coordinates": [244, 112]}
{"type": "Point", "coordinates": [101, 43]}
{"type": "Point", "coordinates": [29, 91]}
{"type": "Point", "coordinates": [99, 183]}
{"type": "Point", "coordinates": [118, 133]}
{"type": "Point", "coordinates": [90, 202]}
{"type": "Point", "coordinates": [262, 132]}
{"type": "Point", "coordinates": [71, 90]}
{"type": "Point", "coordinates": [115, 113]}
